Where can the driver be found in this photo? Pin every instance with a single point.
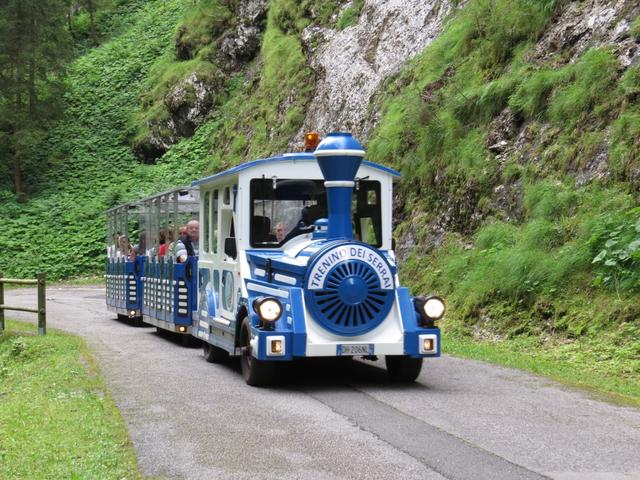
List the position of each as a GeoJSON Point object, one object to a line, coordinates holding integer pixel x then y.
{"type": "Point", "coordinates": [281, 231]}
{"type": "Point", "coordinates": [301, 227]}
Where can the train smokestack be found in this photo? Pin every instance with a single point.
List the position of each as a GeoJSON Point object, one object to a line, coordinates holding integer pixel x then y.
{"type": "Point", "coordinates": [339, 156]}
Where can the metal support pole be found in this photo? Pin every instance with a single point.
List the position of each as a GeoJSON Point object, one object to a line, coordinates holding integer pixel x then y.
{"type": "Point", "coordinates": [42, 312]}
{"type": "Point", "coordinates": [1, 303]}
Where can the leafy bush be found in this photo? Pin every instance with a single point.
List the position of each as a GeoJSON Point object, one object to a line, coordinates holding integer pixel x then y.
{"type": "Point", "coordinates": [617, 240]}
{"type": "Point", "coordinates": [553, 248]}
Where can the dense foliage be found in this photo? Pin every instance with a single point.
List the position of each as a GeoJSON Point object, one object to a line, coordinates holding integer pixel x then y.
{"type": "Point", "coordinates": [85, 161]}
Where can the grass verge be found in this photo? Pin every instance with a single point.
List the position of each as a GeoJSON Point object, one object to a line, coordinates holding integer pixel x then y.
{"type": "Point", "coordinates": [57, 419]}
{"type": "Point", "coordinates": [577, 364]}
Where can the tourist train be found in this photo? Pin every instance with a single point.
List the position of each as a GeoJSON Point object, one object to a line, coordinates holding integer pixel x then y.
{"type": "Point", "coordinates": [278, 258]}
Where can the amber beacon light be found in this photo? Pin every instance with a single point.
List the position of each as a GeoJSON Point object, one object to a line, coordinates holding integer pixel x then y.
{"type": "Point", "coordinates": [311, 141]}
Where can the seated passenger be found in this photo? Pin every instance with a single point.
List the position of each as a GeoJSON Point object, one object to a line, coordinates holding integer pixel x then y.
{"type": "Point", "coordinates": [113, 250]}
{"type": "Point", "coordinates": [171, 249]}
{"type": "Point", "coordinates": [140, 248]}
{"type": "Point", "coordinates": [187, 245]}
{"type": "Point", "coordinates": [124, 246]}
{"type": "Point", "coordinates": [166, 242]}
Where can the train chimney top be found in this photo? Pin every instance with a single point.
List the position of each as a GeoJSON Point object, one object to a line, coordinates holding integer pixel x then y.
{"type": "Point", "coordinates": [339, 156]}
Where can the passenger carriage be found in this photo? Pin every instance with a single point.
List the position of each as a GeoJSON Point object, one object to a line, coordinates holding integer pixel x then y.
{"type": "Point", "coordinates": [122, 273]}
{"type": "Point", "coordinates": [143, 280]}
{"type": "Point", "coordinates": [168, 285]}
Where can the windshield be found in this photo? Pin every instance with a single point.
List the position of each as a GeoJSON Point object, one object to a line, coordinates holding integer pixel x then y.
{"type": "Point", "coordinates": [282, 209]}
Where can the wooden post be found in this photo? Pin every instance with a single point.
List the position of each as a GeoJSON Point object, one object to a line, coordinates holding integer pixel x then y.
{"type": "Point", "coordinates": [1, 303]}
{"type": "Point", "coordinates": [42, 312]}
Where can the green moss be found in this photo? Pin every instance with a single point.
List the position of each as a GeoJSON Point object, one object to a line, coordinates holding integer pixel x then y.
{"type": "Point", "coordinates": [511, 172]}
{"type": "Point", "coordinates": [350, 15]}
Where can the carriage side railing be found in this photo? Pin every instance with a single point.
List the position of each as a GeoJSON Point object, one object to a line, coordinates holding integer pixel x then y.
{"type": "Point", "coordinates": [41, 311]}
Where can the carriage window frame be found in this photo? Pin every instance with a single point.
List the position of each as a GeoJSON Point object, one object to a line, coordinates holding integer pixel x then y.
{"type": "Point", "coordinates": [206, 244]}
{"type": "Point", "coordinates": [367, 198]}
{"type": "Point", "coordinates": [214, 221]}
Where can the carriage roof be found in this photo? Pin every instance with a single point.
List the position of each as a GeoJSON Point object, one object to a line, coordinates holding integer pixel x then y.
{"type": "Point", "coordinates": [185, 199]}
{"type": "Point", "coordinates": [288, 157]}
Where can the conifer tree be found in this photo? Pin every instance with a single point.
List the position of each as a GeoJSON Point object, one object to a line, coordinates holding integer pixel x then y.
{"type": "Point", "coordinates": [34, 48]}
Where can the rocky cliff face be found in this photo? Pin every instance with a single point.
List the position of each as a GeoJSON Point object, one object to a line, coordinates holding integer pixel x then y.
{"type": "Point", "coordinates": [352, 64]}
{"type": "Point", "coordinates": [577, 27]}
{"type": "Point", "coordinates": [188, 102]}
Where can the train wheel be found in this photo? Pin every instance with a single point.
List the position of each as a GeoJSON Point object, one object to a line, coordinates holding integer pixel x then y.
{"type": "Point", "coordinates": [213, 354]}
{"type": "Point", "coordinates": [255, 372]}
{"type": "Point", "coordinates": [137, 322]}
{"type": "Point", "coordinates": [402, 368]}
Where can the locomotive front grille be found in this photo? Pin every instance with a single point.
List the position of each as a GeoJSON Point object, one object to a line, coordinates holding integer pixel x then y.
{"type": "Point", "coordinates": [351, 301]}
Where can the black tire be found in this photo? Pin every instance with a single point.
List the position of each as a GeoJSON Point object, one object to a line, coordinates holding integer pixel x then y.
{"type": "Point", "coordinates": [186, 340]}
{"type": "Point", "coordinates": [213, 354]}
{"type": "Point", "coordinates": [255, 372]}
{"type": "Point", "coordinates": [123, 318]}
{"type": "Point", "coordinates": [402, 368]}
{"type": "Point", "coordinates": [137, 322]}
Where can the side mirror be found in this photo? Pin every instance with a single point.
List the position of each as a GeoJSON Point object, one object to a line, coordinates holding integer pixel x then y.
{"type": "Point", "coordinates": [230, 249]}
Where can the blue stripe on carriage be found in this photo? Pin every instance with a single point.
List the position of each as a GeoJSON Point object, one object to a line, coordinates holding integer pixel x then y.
{"type": "Point", "coordinates": [299, 325]}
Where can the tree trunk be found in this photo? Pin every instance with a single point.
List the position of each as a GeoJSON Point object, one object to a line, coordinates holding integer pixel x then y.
{"type": "Point", "coordinates": [17, 175]}
{"type": "Point", "coordinates": [92, 29]}
{"type": "Point", "coordinates": [69, 26]}
{"type": "Point", "coordinates": [33, 96]}
{"type": "Point", "coordinates": [19, 85]}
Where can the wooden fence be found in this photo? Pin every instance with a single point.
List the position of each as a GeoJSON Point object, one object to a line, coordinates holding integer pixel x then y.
{"type": "Point", "coordinates": [40, 281]}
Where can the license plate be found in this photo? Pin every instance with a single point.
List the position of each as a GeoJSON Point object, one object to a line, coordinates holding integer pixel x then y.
{"type": "Point", "coordinates": [361, 349]}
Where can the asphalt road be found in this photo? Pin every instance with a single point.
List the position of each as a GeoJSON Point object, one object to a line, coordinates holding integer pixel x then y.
{"type": "Point", "coordinates": [342, 420]}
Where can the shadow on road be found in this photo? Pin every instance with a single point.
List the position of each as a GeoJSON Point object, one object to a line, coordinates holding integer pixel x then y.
{"type": "Point", "coordinates": [131, 322]}
{"type": "Point", "coordinates": [309, 374]}
{"type": "Point", "coordinates": [324, 374]}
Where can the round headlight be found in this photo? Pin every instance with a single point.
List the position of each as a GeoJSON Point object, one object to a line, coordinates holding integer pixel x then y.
{"type": "Point", "coordinates": [434, 308]}
{"type": "Point", "coordinates": [268, 309]}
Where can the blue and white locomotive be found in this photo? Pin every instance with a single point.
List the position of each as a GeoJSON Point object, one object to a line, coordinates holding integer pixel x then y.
{"type": "Point", "coordinates": [295, 259]}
